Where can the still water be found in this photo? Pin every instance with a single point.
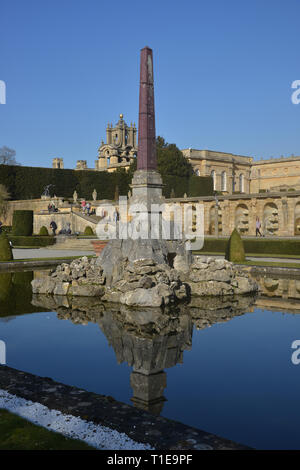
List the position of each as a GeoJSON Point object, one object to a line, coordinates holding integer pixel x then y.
{"type": "Point", "coordinates": [224, 367]}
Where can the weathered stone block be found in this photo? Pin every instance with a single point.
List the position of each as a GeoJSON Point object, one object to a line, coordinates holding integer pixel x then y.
{"type": "Point", "coordinates": [61, 288]}
{"type": "Point", "coordinates": [142, 297]}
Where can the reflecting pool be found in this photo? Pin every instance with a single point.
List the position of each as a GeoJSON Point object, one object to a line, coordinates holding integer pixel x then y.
{"type": "Point", "coordinates": [222, 366]}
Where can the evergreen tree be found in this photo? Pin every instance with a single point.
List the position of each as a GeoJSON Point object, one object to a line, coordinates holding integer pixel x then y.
{"type": "Point", "coordinates": [170, 160]}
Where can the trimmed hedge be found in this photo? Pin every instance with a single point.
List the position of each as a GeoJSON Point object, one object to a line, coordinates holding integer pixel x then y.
{"type": "Point", "coordinates": [235, 248]}
{"type": "Point", "coordinates": [193, 186]}
{"type": "Point", "coordinates": [23, 182]}
{"type": "Point", "coordinates": [34, 240]}
{"type": "Point", "coordinates": [88, 231]}
{"type": "Point", "coordinates": [22, 223]}
{"type": "Point", "coordinates": [5, 248]}
{"type": "Point", "coordinates": [200, 186]}
{"type": "Point", "coordinates": [6, 228]}
{"type": "Point", "coordinates": [43, 231]}
{"type": "Point", "coordinates": [259, 245]}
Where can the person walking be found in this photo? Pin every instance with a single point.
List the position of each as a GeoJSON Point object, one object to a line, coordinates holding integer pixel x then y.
{"type": "Point", "coordinates": [258, 227]}
{"type": "Point", "coordinates": [53, 227]}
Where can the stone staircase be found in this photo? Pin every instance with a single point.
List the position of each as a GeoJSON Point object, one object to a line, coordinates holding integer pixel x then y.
{"type": "Point", "coordinates": [73, 243]}
{"type": "Point", "coordinates": [92, 219]}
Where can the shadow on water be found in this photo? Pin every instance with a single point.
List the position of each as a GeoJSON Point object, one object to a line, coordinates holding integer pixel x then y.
{"type": "Point", "coordinates": [16, 294]}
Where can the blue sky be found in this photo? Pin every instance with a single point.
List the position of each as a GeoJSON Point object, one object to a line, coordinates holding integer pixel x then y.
{"type": "Point", "coordinates": [223, 72]}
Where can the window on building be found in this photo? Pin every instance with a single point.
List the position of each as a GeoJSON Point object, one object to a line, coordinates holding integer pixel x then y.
{"type": "Point", "coordinates": [242, 189]}
{"type": "Point", "coordinates": [213, 175]}
{"type": "Point", "coordinates": [223, 181]}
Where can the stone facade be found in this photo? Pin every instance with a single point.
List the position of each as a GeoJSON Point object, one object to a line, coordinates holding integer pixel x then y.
{"type": "Point", "coordinates": [240, 174]}
{"type": "Point", "coordinates": [279, 213]}
{"type": "Point", "coordinates": [81, 165]}
{"type": "Point", "coordinates": [230, 172]}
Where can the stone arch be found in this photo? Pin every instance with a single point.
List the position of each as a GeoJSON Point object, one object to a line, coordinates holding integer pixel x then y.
{"type": "Point", "coordinates": [212, 220]}
{"type": "Point", "coordinates": [297, 219]}
{"type": "Point", "coordinates": [241, 220]}
{"type": "Point", "coordinates": [270, 224]}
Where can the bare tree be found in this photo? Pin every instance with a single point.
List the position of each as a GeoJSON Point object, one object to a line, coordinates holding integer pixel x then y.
{"type": "Point", "coordinates": [7, 156]}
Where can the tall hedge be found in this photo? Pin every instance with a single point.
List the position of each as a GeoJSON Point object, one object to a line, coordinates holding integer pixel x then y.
{"type": "Point", "coordinates": [22, 223]}
{"type": "Point", "coordinates": [34, 240]}
{"type": "Point", "coordinates": [24, 182]}
{"type": "Point", "coordinates": [235, 248]}
{"type": "Point", "coordinates": [5, 248]}
{"type": "Point", "coordinates": [255, 245]}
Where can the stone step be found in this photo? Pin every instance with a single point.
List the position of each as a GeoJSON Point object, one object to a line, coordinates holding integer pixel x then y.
{"type": "Point", "coordinates": [77, 244]}
{"type": "Point", "coordinates": [98, 246]}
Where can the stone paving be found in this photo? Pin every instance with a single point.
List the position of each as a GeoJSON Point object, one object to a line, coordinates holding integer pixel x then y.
{"type": "Point", "coordinates": [141, 426]}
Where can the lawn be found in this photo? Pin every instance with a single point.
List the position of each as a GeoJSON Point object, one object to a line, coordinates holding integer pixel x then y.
{"type": "Point", "coordinates": [19, 434]}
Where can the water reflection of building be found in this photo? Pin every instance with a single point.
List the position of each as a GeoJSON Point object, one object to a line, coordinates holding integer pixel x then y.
{"type": "Point", "coordinates": [279, 294]}
{"type": "Point", "coordinates": [148, 340]}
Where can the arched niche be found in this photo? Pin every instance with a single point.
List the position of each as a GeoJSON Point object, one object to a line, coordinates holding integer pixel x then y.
{"type": "Point", "coordinates": [270, 219]}
{"type": "Point", "coordinates": [297, 219]}
{"type": "Point", "coordinates": [242, 219]}
{"type": "Point", "coordinates": [212, 220]}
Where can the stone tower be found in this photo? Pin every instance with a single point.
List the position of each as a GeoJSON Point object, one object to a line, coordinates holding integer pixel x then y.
{"type": "Point", "coordinates": [58, 163]}
{"type": "Point", "coordinates": [81, 165]}
{"type": "Point", "coordinates": [120, 148]}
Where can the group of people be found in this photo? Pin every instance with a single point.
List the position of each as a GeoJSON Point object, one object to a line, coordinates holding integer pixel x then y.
{"type": "Point", "coordinates": [52, 207]}
{"type": "Point", "coordinates": [86, 208]}
{"type": "Point", "coordinates": [63, 231]}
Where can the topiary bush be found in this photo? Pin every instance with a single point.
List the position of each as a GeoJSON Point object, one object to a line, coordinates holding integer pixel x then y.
{"type": "Point", "coordinates": [6, 228]}
{"type": "Point", "coordinates": [256, 246]}
{"type": "Point", "coordinates": [235, 248]}
{"type": "Point", "coordinates": [34, 240]}
{"type": "Point", "coordinates": [5, 248]}
{"type": "Point", "coordinates": [43, 231]}
{"type": "Point", "coordinates": [22, 223]}
{"type": "Point", "coordinates": [88, 231]}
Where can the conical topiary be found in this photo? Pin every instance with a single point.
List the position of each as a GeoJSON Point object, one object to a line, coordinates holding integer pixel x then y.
{"type": "Point", "coordinates": [5, 248]}
{"type": "Point", "coordinates": [235, 248]}
{"type": "Point", "coordinates": [43, 231]}
{"type": "Point", "coordinates": [88, 231]}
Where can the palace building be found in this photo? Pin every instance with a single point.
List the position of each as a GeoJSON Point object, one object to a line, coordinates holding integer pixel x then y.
{"type": "Point", "coordinates": [232, 174]}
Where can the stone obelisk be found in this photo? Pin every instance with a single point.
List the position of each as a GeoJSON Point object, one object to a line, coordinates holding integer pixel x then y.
{"type": "Point", "coordinates": [146, 183]}
{"type": "Point", "coordinates": [146, 189]}
{"type": "Point", "coordinates": [146, 143]}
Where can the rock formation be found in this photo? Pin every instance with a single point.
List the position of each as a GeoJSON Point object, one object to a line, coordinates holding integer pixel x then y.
{"type": "Point", "coordinates": [146, 283]}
